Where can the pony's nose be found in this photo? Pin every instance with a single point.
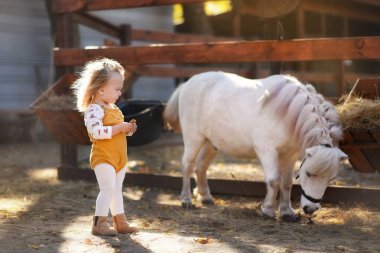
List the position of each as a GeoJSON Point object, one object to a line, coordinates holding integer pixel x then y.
{"type": "Point", "coordinates": [309, 209]}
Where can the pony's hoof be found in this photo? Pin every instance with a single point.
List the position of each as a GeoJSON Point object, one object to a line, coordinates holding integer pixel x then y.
{"type": "Point", "coordinates": [268, 213]}
{"type": "Point", "coordinates": [291, 218]}
{"type": "Point", "coordinates": [209, 202]}
{"type": "Point", "coordinates": [267, 217]}
{"type": "Point", "coordinates": [188, 206]}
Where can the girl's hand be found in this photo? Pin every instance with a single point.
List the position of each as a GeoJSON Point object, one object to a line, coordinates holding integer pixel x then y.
{"type": "Point", "coordinates": [126, 127]}
{"type": "Point", "coordinates": [133, 127]}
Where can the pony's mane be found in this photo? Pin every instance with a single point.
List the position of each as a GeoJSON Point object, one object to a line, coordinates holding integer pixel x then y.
{"type": "Point", "coordinates": [312, 119]}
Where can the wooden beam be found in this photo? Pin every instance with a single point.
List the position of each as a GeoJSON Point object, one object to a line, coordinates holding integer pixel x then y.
{"type": "Point", "coordinates": [224, 52]}
{"type": "Point", "coordinates": [333, 194]}
{"type": "Point", "coordinates": [97, 24]}
{"type": "Point", "coordinates": [61, 6]}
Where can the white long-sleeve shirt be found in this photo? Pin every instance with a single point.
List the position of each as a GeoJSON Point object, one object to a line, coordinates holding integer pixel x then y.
{"type": "Point", "coordinates": [93, 120]}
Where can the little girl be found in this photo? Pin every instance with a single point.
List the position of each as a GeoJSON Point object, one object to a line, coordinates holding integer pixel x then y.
{"type": "Point", "coordinates": [97, 89]}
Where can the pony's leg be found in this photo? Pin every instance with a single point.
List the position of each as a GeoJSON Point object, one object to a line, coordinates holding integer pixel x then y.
{"type": "Point", "coordinates": [203, 161]}
{"type": "Point", "coordinates": [287, 213]}
{"type": "Point", "coordinates": [269, 160]}
{"type": "Point", "coordinates": [191, 150]}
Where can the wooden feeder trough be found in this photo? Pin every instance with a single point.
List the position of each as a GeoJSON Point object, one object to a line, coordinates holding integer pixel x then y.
{"type": "Point", "coordinates": [363, 149]}
{"type": "Point", "coordinates": [363, 145]}
{"type": "Point", "coordinates": [67, 126]}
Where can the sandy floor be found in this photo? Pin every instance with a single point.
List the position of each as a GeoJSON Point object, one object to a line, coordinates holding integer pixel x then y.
{"type": "Point", "coordinates": [38, 213]}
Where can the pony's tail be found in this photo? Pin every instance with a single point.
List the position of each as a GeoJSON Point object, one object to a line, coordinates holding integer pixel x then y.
{"type": "Point", "coordinates": [171, 114]}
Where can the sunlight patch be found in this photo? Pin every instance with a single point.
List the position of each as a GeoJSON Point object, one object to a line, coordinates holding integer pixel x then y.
{"type": "Point", "coordinates": [133, 193]}
{"type": "Point", "coordinates": [11, 208]}
{"type": "Point", "coordinates": [44, 174]}
{"type": "Point", "coordinates": [358, 216]}
{"type": "Point", "coordinates": [167, 199]}
{"type": "Point", "coordinates": [77, 237]}
{"type": "Point", "coordinates": [278, 249]}
{"type": "Point", "coordinates": [165, 242]}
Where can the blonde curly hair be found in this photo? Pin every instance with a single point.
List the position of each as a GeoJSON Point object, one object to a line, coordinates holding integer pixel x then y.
{"type": "Point", "coordinates": [93, 76]}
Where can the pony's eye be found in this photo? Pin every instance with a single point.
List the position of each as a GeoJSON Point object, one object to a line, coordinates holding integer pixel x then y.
{"type": "Point", "coordinates": [308, 174]}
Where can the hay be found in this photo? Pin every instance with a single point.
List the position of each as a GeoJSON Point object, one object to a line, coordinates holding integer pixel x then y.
{"type": "Point", "coordinates": [359, 113]}
{"type": "Point", "coordinates": [57, 102]}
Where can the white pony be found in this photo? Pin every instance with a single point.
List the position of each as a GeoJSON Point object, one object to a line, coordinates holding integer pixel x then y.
{"type": "Point", "coordinates": [276, 119]}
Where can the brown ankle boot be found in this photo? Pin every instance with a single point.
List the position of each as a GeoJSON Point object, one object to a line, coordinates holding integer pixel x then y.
{"type": "Point", "coordinates": [101, 227]}
{"type": "Point", "coordinates": [121, 225]}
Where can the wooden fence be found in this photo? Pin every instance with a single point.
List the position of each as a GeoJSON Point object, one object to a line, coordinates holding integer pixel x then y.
{"type": "Point", "coordinates": [188, 49]}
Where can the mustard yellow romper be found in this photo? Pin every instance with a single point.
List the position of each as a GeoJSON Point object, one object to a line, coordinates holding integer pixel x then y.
{"type": "Point", "coordinates": [105, 147]}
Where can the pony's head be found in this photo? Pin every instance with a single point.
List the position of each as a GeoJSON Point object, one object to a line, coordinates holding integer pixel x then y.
{"type": "Point", "coordinates": [320, 165]}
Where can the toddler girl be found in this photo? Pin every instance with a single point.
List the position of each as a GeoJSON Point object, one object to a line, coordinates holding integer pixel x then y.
{"type": "Point", "coordinates": [97, 89]}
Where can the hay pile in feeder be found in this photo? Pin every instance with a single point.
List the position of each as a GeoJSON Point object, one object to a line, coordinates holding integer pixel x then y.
{"type": "Point", "coordinates": [359, 113]}
{"type": "Point", "coordinates": [57, 102]}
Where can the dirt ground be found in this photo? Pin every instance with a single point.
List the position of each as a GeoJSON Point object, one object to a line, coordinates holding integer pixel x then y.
{"type": "Point", "coordinates": [39, 213]}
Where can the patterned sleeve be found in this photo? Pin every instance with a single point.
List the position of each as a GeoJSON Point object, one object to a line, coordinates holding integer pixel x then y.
{"type": "Point", "coordinates": [93, 120]}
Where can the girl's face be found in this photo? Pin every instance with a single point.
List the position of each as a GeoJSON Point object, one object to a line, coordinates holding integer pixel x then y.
{"type": "Point", "coordinates": [111, 90]}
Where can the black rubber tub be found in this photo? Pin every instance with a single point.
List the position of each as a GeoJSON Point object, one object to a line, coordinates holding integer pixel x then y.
{"type": "Point", "coordinates": [148, 115]}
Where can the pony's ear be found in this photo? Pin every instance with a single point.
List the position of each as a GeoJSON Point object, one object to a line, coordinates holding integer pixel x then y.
{"type": "Point", "coordinates": [336, 133]}
{"type": "Point", "coordinates": [342, 156]}
{"type": "Point", "coordinates": [311, 151]}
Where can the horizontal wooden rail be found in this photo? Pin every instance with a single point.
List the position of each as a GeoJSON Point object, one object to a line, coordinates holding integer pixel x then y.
{"type": "Point", "coordinates": [333, 194]}
{"type": "Point", "coordinates": [224, 52]}
{"type": "Point", "coordinates": [62, 6]}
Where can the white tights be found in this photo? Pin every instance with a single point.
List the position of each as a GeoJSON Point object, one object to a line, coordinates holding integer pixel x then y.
{"type": "Point", "coordinates": [111, 193]}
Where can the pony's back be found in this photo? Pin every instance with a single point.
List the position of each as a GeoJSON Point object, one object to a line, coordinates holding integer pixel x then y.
{"type": "Point", "coordinates": [171, 112]}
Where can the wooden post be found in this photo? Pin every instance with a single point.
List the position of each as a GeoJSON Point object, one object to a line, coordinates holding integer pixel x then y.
{"type": "Point", "coordinates": [273, 30]}
{"type": "Point", "coordinates": [301, 32]}
{"type": "Point", "coordinates": [236, 20]}
{"type": "Point", "coordinates": [69, 156]}
{"type": "Point", "coordinates": [340, 78]}
{"type": "Point", "coordinates": [125, 34]}
{"type": "Point", "coordinates": [66, 38]}
{"type": "Point", "coordinates": [130, 75]}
